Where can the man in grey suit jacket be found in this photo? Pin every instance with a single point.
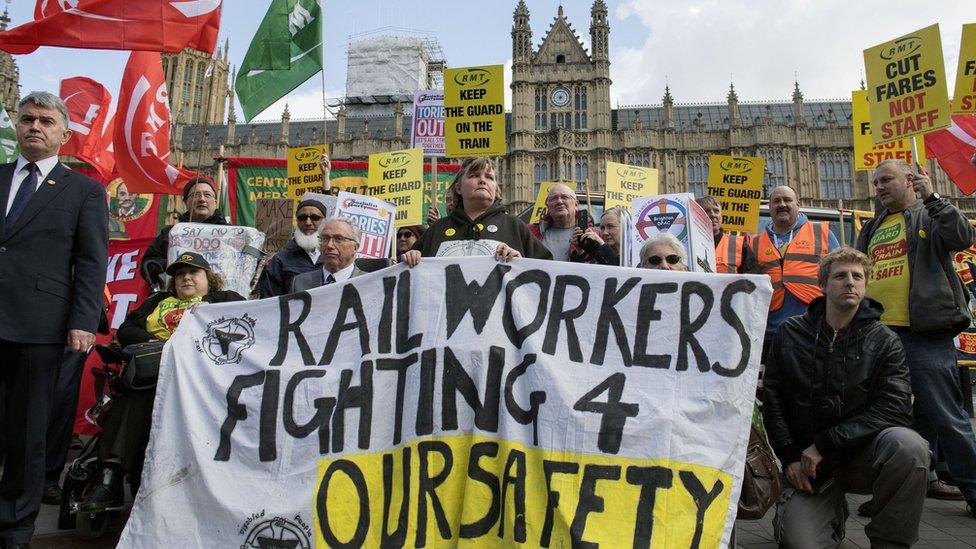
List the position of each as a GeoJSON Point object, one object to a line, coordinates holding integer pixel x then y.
{"type": "Point", "coordinates": [338, 242]}
{"type": "Point", "coordinates": [53, 255]}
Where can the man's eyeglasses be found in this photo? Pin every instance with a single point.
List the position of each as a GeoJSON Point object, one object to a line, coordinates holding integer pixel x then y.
{"type": "Point", "coordinates": [672, 259]}
{"type": "Point", "coordinates": [335, 239]}
{"type": "Point", "coordinates": [305, 217]}
{"type": "Point", "coordinates": [405, 234]}
{"type": "Point", "coordinates": [563, 197]}
{"type": "Point", "coordinates": [201, 194]}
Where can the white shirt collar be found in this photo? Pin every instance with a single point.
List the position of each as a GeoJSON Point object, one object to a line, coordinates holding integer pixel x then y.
{"type": "Point", "coordinates": [45, 166]}
{"type": "Point", "coordinates": [340, 275]}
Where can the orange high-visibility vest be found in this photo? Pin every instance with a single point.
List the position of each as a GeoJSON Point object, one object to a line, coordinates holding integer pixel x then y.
{"type": "Point", "coordinates": [728, 252]}
{"type": "Point", "coordinates": [796, 270]}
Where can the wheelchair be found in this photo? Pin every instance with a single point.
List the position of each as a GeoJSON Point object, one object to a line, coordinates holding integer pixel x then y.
{"type": "Point", "coordinates": [82, 475]}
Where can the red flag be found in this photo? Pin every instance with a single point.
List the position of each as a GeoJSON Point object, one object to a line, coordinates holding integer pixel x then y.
{"type": "Point", "coordinates": [953, 147]}
{"type": "Point", "coordinates": [88, 105]}
{"type": "Point", "coordinates": [144, 25]}
{"type": "Point", "coordinates": [142, 129]}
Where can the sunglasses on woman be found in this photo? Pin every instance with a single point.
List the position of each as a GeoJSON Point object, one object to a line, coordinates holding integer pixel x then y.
{"type": "Point", "coordinates": [672, 259]}
{"type": "Point", "coordinates": [404, 235]}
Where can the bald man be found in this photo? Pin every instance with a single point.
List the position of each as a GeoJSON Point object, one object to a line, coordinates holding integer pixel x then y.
{"type": "Point", "coordinates": [789, 250]}
{"type": "Point", "coordinates": [559, 229]}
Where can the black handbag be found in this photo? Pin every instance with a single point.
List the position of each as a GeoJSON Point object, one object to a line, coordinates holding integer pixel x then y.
{"type": "Point", "coordinates": [141, 365]}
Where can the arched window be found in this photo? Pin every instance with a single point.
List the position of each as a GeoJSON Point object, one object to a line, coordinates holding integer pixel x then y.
{"type": "Point", "coordinates": [774, 176]}
{"type": "Point", "coordinates": [835, 175]}
{"type": "Point", "coordinates": [697, 174]}
{"type": "Point", "coordinates": [560, 58]}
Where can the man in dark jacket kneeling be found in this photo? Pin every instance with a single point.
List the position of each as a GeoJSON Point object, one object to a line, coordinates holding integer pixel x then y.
{"type": "Point", "coordinates": [837, 411]}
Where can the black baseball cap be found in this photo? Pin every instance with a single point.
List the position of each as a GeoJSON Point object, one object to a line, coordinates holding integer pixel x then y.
{"type": "Point", "coordinates": [190, 259]}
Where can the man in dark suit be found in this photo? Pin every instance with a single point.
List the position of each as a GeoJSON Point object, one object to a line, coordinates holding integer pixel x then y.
{"type": "Point", "coordinates": [338, 242]}
{"type": "Point", "coordinates": [53, 255]}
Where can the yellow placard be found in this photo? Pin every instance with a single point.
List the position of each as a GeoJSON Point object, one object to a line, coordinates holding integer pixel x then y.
{"type": "Point", "coordinates": [539, 209]}
{"type": "Point", "coordinates": [736, 182]}
{"type": "Point", "coordinates": [476, 491]}
{"type": "Point", "coordinates": [867, 155]}
{"type": "Point", "coordinates": [398, 177]}
{"type": "Point", "coordinates": [908, 94]}
{"type": "Point", "coordinates": [474, 111]}
{"type": "Point", "coordinates": [625, 183]}
{"type": "Point", "coordinates": [304, 172]}
{"type": "Point", "coordinates": [964, 98]}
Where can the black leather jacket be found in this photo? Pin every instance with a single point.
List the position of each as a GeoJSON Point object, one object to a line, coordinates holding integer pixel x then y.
{"type": "Point", "coordinates": [837, 391]}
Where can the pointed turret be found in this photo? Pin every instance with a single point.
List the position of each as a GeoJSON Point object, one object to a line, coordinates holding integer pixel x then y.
{"type": "Point", "coordinates": [599, 31]}
{"type": "Point", "coordinates": [668, 102]}
{"type": "Point", "coordinates": [521, 35]}
{"type": "Point", "coordinates": [733, 99]}
{"type": "Point", "coordinates": [798, 118]}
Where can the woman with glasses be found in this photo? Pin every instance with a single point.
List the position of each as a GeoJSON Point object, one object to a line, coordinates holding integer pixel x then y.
{"type": "Point", "coordinates": [479, 224]}
{"type": "Point", "coordinates": [406, 237]}
{"type": "Point", "coordinates": [663, 251]}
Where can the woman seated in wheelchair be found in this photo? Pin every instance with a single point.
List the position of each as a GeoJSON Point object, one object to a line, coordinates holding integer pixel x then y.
{"type": "Point", "coordinates": [125, 433]}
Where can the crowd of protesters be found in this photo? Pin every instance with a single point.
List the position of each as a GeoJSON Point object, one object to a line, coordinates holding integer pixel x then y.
{"type": "Point", "coordinates": [861, 385]}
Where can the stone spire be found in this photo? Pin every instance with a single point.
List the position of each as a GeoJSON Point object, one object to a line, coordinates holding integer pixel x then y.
{"type": "Point", "coordinates": [521, 35]}
{"type": "Point", "coordinates": [668, 108]}
{"type": "Point", "coordinates": [798, 118]}
{"type": "Point", "coordinates": [231, 110]}
{"type": "Point", "coordinates": [599, 31]}
{"type": "Point", "coordinates": [285, 124]}
{"type": "Point", "coordinates": [733, 99]}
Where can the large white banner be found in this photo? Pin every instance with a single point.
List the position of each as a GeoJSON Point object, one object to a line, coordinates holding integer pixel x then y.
{"type": "Point", "coordinates": [459, 403]}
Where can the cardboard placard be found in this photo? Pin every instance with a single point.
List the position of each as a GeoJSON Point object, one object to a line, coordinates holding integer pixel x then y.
{"type": "Point", "coordinates": [867, 155]}
{"type": "Point", "coordinates": [427, 128]}
{"type": "Point", "coordinates": [397, 177]}
{"type": "Point", "coordinates": [681, 216]}
{"type": "Point", "coordinates": [736, 182]}
{"type": "Point", "coordinates": [908, 94]}
{"type": "Point", "coordinates": [625, 183]}
{"type": "Point", "coordinates": [964, 98]}
{"type": "Point", "coordinates": [474, 111]}
{"type": "Point", "coordinates": [304, 172]}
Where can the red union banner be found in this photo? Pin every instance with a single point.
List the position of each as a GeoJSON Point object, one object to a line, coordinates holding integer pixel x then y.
{"type": "Point", "coordinates": [88, 105]}
{"type": "Point", "coordinates": [954, 148]}
{"type": "Point", "coordinates": [143, 25]}
{"type": "Point", "coordinates": [128, 289]}
{"type": "Point", "coordinates": [142, 129]}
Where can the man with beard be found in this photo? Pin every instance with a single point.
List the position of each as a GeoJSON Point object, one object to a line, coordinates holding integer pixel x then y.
{"type": "Point", "coordinates": [789, 250]}
{"type": "Point", "coordinates": [200, 198]}
{"type": "Point", "coordinates": [299, 255]}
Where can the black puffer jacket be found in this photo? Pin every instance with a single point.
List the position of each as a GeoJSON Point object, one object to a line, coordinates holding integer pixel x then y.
{"type": "Point", "coordinates": [837, 391]}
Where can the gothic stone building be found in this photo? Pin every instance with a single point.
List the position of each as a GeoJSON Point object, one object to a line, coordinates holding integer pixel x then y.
{"type": "Point", "coordinates": [562, 127]}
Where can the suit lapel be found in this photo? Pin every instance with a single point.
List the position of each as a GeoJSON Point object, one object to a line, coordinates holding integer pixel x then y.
{"type": "Point", "coordinates": [6, 181]}
{"type": "Point", "coordinates": [52, 185]}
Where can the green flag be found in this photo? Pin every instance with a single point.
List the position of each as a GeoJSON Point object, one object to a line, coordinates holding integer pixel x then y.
{"type": "Point", "coordinates": [285, 52]}
{"type": "Point", "coordinates": [8, 138]}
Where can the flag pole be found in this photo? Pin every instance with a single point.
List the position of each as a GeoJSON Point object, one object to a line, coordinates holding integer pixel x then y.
{"type": "Point", "coordinates": [325, 110]}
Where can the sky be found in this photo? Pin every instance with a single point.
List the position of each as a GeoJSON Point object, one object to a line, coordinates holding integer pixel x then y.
{"type": "Point", "coordinates": [696, 47]}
